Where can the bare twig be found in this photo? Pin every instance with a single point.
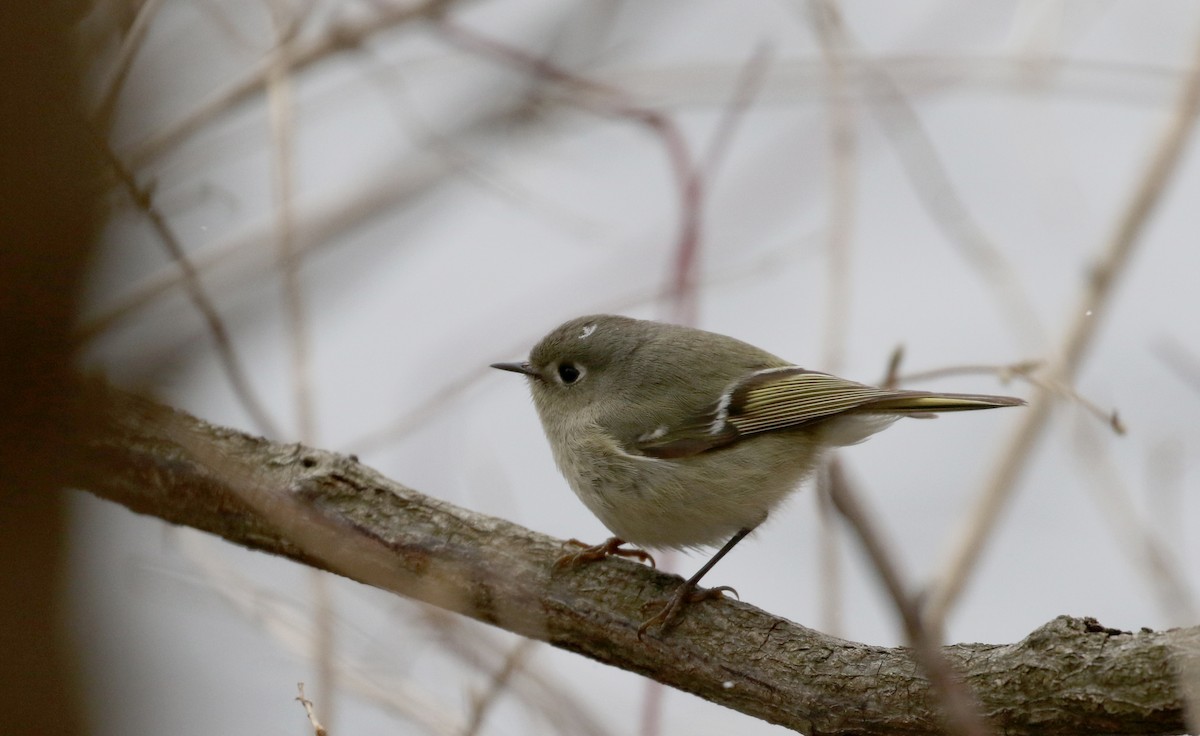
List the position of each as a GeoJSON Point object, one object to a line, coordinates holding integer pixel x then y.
{"type": "Point", "coordinates": [611, 102]}
{"type": "Point", "coordinates": [318, 729]}
{"type": "Point", "coordinates": [932, 184]}
{"type": "Point", "coordinates": [318, 224]}
{"type": "Point", "coordinates": [282, 120]}
{"type": "Point", "coordinates": [1109, 417]}
{"type": "Point", "coordinates": [481, 704]}
{"type": "Point", "coordinates": [843, 187]}
{"type": "Point", "coordinates": [195, 290]}
{"type": "Point", "coordinates": [471, 165]}
{"type": "Point", "coordinates": [843, 182]}
{"type": "Point", "coordinates": [1183, 363]}
{"type": "Point", "coordinates": [746, 87]}
{"type": "Point", "coordinates": [935, 190]}
{"type": "Point", "coordinates": [544, 692]}
{"type": "Point", "coordinates": [288, 22]}
{"type": "Point", "coordinates": [1026, 371]}
{"type": "Point", "coordinates": [958, 704]}
{"type": "Point", "coordinates": [290, 626]}
{"type": "Point", "coordinates": [891, 374]}
{"type": "Point", "coordinates": [1146, 548]}
{"type": "Point", "coordinates": [1021, 369]}
{"type": "Point", "coordinates": [829, 555]}
{"type": "Point", "coordinates": [1160, 168]}
{"type": "Point", "coordinates": [346, 35]}
{"type": "Point", "coordinates": [684, 289]}
{"type": "Point", "coordinates": [104, 113]}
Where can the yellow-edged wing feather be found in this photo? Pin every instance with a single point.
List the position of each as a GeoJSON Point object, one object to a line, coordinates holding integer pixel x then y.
{"type": "Point", "coordinates": [791, 397]}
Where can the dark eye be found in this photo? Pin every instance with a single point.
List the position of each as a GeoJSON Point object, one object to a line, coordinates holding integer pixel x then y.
{"type": "Point", "coordinates": [568, 373]}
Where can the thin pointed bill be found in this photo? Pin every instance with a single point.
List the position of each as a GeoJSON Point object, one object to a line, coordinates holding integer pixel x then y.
{"type": "Point", "coordinates": [523, 368]}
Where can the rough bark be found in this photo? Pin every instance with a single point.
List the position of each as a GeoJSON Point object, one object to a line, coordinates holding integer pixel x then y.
{"type": "Point", "coordinates": [1071, 676]}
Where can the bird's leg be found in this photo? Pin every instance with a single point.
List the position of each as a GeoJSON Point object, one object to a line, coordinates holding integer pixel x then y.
{"type": "Point", "coordinates": [607, 548]}
{"type": "Point", "coordinates": [688, 593]}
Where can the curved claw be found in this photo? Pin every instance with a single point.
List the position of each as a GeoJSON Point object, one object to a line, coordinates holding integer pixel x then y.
{"type": "Point", "coordinates": [684, 595]}
{"type": "Point", "coordinates": [665, 617]}
{"type": "Point", "coordinates": [593, 553]}
{"type": "Point", "coordinates": [709, 593]}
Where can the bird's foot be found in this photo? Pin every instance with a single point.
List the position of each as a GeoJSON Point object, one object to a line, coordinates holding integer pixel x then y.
{"type": "Point", "coordinates": [684, 596]}
{"type": "Point", "coordinates": [591, 553]}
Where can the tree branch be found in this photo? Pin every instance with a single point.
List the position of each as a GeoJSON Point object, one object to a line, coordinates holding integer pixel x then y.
{"type": "Point", "coordinates": [328, 511]}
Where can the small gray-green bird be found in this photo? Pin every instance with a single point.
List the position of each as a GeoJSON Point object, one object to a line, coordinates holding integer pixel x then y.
{"type": "Point", "coordinates": [677, 437]}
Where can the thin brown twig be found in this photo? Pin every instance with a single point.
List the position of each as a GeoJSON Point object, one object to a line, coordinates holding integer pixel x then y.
{"type": "Point", "coordinates": [1146, 549]}
{"type": "Point", "coordinates": [589, 94]}
{"type": "Point", "coordinates": [605, 100]}
{"type": "Point", "coordinates": [932, 184]}
{"type": "Point", "coordinates": [318, 729]}
{"type": "Point", "coordinates": [281, 107]}
{"type": "Point", "coordinates": [513, 663]}
{"type": "Point", "coordinates": [318, 225]}
{"type": "Point", "coordinates": [233, 32]}
{"type": "Point", "coordinates": [1183, 363]}
{"type": "Point", "coordinates": [609, 101]}
{"type": "Point", "coordinates": [281, 111]}
{"type": "Point", "coordinates": [1022, 369]}
{"type": "Point", "coordinates": [343, 36]}
{"type": "Point", "coordinates": [102, 116]}
{"type": "Point", "coordinates": [653, 695]}
{"type": "Point", "coordinates": [891, 374]}
{"type": "Point", "coordinates": [843, 187]}
{"type": "Point", "coordinates": [746, 87]}
{"type": "Point", "coordinates": [684, 283]}
{"type": "Point", "coordinates": [460, 159]}
{"type": "Point", "coordinates": [843, 183]}
{"type": "Point", "coordinates": [1026, 371]}
{"type": "Point", "coordinates": [934, 189]}
{"type": "Point", "coordinates": [289, 626]}
{"type": "Point", "coordinates": [228, 359]}
{"type": "Point", "coordinates": [959, 707]}
{"type": "Point", "coordinates": [543, 692]}
{"type": "Point", "coordinates": [1157, 175]}
{"type": "Point", "coordinates": [1109, 417]}
{"type": "Point", "coordinates": [685, 278]}
{"type": "Point", "coordinates": [829, 556]}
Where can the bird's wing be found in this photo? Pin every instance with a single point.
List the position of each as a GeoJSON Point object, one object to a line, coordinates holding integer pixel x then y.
{"type": "Point", "coordinates": [786, 398]}
{"type": "Point", "coordinates": [764, 401]}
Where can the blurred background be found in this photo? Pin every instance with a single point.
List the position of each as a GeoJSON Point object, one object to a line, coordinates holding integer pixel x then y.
{"type": "Point", "coordinates": [375, 200]}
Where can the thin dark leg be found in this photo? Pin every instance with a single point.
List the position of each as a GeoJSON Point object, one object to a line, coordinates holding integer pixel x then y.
{"type": "Point", "coordinates": [687, 592]}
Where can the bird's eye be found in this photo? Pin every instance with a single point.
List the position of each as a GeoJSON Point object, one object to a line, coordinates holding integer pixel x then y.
{"type": "Point", "coordinates": [568, 373]}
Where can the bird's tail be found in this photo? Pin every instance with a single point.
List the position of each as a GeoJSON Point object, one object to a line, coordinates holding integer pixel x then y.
{"type": "Point", "coordinates": [928, 402]}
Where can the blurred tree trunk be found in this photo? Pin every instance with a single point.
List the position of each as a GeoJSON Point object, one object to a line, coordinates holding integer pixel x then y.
{"type": "Point", "coordinates": [47, 225]}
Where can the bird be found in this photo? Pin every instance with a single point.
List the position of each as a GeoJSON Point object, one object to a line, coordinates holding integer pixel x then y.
{"type": "Point", "coordinates": [680, 438]}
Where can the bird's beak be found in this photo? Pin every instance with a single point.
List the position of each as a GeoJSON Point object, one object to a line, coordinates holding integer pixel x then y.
{"type": "Point", "coordinates": [523, 368]}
